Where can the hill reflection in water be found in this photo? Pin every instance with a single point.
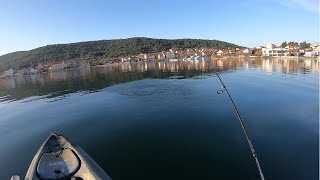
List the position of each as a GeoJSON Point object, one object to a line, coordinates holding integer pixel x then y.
{"type": "Point", "coordinates": [88, 80]}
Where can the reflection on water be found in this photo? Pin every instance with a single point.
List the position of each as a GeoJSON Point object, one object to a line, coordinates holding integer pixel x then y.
{"type": "Point", "coordinates": [59, 83]}
{"type": "Point", "coordinates": [285, 66]}
{"type": "Point", "coordinates": [289, 66]}
{"type": "Point", "coordinates": [178, 128]}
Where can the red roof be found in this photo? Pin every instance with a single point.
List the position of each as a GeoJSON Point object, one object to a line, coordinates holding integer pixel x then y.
{"type": "Point", "coordinates": [293, 50]}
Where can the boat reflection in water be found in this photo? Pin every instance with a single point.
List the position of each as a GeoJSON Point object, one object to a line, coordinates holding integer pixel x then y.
{"type": "Point", "coordinates": [59, 83]}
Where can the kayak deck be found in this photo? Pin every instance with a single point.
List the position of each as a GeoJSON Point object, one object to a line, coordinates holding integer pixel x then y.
{"type": "Point", "coordinates": [57, 158]}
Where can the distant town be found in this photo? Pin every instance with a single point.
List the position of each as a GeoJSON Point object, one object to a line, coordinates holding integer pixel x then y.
{"type": "Point", "coordinates": [285, 50]}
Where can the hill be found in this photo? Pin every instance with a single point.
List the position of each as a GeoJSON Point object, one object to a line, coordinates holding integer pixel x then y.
{"type": "Point", "coordinates": [95, 50]}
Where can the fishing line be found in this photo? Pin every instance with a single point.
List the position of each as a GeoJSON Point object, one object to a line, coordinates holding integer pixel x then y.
{"type": "Point", "coordinates": [253, 152]}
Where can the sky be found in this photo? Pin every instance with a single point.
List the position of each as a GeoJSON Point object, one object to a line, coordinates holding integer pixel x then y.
{"type": "Point", "coordinates": [28, 24]}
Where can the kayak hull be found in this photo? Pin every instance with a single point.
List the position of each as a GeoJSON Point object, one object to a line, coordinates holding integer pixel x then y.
{"type": "Point", "coordinates": [57, 158]}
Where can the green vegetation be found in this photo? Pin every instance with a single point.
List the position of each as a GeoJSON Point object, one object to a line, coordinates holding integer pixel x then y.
{"type": "Point", "coordinates": [284, 44]}
{"type": "Point", "coordinates": [302, 45]}
{"type": "Point", "coordinates": [291, 43]}
{"type": "Point", "coordinates": [96, 50]}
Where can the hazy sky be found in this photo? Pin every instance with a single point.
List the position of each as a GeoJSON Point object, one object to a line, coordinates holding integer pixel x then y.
{"type": "Point", "coordinates": [27, 24]}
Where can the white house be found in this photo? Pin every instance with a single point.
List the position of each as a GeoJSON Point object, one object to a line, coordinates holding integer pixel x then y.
{"type": "Point", "coordinates": [149, 56]}
{"type": "Point", "coordinates": [272, 50]}
{"type": "Point", "coordinates": [316, 50]}
{"type": "Point", "coordinates": [219, 53]}
{"type": "Point", "coordinates": [312, 53]}
{"type": "Point", "coordinates": [161, 56]}
{"type": "Point", "coordinates": [247, 51]}
{"type": "Point", "coordinates": [309, 54]}
{"type": "Point", "coordinates": [170, 55]}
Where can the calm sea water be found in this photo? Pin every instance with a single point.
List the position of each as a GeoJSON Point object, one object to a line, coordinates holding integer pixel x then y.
{"type": "Point", "coordinates": [164, 120]}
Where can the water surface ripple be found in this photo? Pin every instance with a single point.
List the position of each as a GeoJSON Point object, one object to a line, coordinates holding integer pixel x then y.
{"type": "Point", "coordinates": [164, 120]}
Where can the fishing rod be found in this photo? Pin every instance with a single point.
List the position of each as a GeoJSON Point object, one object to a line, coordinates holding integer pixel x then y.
{"type": "Point", "coordinates": [253, 152]}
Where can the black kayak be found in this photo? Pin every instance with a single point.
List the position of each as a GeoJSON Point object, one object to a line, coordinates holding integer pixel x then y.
{"type": "Point", "coordinates": [58, 159]}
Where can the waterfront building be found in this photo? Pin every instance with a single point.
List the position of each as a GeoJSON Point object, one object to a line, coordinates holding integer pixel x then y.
{"type": "Point", "coordinates": [271, 50]}
{"type": "Point", "coordinates": [247, 51]}
{"type": "Point", "coordinates": [149, 57]}
{"type": "Point", "coordinates": [291, 50]}
{"type": "Point", "coordinates": [124, 59]}
{"type": "Point", "coordinates": [8, 73]}
{"type": "Point", "coordinates": [316, 50]}
{"type": "Point", "coordinates": [161, 56]}
{"type": "Point", "coordinates": [71, 64]}
{"type": "Point", "coordinates": [170, 55]}
{"type": "Point", "coordinates": [310, 52]}
{"type": "Point", "coordinates": [57, 65]}
{"type": "Point", "coordinates": [219, 53]}
{"type": "Point", "coordinates": [190, 51]}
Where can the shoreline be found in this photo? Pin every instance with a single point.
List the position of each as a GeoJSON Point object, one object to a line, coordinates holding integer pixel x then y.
{"type": "Point", "coordinates": [167, 60]}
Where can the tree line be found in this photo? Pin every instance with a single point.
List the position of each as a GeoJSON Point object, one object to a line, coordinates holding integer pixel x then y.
{"type": "Point", "coordinates": [302, 45]}
{"type": "Point", "coordinates": [97, 50]}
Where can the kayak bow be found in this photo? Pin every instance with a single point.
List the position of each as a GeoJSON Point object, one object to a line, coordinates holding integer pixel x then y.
{"type": "Point", "coordinates": [57, 158]}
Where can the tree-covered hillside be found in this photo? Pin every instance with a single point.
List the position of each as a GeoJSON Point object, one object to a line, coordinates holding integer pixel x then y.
{"type": "Point", "coordinates": [95, 50]}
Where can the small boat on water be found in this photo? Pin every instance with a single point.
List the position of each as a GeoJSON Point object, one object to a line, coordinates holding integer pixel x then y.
{"type": "Point", "coordinates": [57, 158]}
